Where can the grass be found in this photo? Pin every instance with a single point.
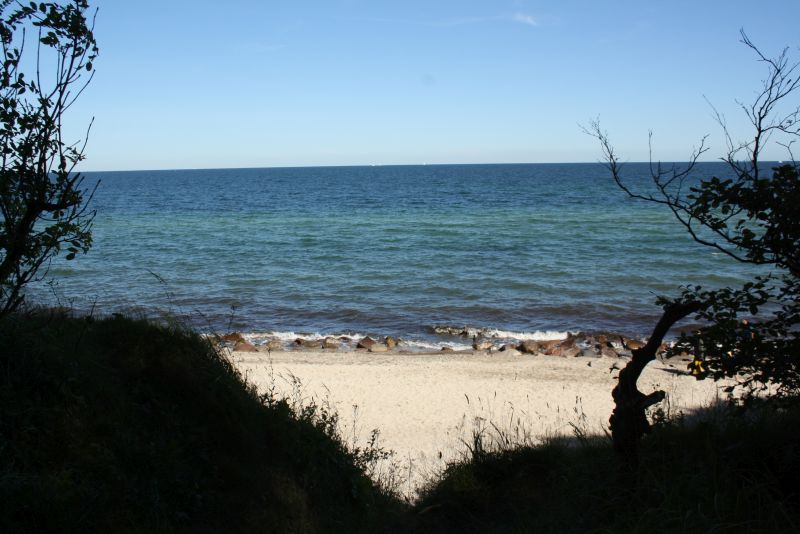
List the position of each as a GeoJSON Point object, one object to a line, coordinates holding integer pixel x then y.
{"type": "Point", "coordinates": [119, 425]}
{"type": "Point", "coordinates": [730, 474]}
{"type": "Point", "coordinates": [126, 426]}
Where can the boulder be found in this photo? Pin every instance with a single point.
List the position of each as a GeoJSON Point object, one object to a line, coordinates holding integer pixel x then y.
{"type": "Point", "coordinates": [244, 346]}
{"type": "Point", "coordinates": [308, 343]}
{"type": "Point", "coordinates": [589, 353]}
{"type": "Point", "coordinates": [570, 352]}
{"type": "Point", "coordinates": [365, 343]}
{"type": "Point", "coordinates": [480, 343]}
{"type": "Point", "coordinates": [549, 346]}
{"type": "Point", "coordinates": [274, 344]}
{"type": "Point", "coordinates": [634, 344]}
{"type": "Point", "coordinates": [378, 347]}
{"type": "Point", "coordinates": [390, 342]}
{"type": "Point", "coordinates": [608, 352]}
{"type": "Point", "coordinates": [511, 351]}
{"type": "Point", "coordinates": [447, 349]}
{"type": "Point", "coordinates": [330, 343]}
{"type": "Point", "coordinates": [233, 337]}
{"type": "Point", "coordinates": [529, 346]}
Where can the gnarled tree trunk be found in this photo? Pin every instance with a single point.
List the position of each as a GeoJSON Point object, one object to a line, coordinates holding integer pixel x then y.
{"type": "Point", "coordinates": [628, 421]}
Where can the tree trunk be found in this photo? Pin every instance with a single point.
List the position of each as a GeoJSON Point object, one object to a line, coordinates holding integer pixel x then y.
{"type": "Point", "coordinates": [628, 421]}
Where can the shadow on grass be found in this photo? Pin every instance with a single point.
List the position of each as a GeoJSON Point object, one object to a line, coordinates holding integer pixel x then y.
{"type": "Point", "coordinates": [120, 425]}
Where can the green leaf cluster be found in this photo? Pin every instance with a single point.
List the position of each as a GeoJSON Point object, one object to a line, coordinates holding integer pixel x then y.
{"type": "Point", "coordinates": [43, 203]}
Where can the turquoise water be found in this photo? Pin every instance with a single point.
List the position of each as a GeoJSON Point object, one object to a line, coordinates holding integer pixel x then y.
{"type": "Point", "coordinates": [385, 250]}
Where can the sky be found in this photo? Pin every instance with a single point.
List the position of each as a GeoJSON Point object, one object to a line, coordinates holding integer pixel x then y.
{"type": "Point", "coordinates": [196, 84]}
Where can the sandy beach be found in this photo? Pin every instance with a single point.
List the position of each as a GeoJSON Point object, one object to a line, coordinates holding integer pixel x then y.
{"type": "Point", "coordinates": [426, 405]}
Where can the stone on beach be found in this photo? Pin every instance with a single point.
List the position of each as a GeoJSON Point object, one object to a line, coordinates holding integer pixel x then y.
{"type": "Point", "coordinates": [233, 337]}
{"type": "Point", "coordinates": [365, 343]}
{"type": "Point", "coordinates": [330, 343]}
{"type": "Point", "coordinates": [308, 343]}
{"type": "Point", "coordinates": [390, 342]}
{"type": "Point", "coordinates": [274, 344]}
{"type": "Point", "coordinates": [529, 346]}
{"type": "Point", "coordinates": [480, 343]}
{"type": "Point", "coordinates": [244, 346]}
{"type": "Point", "coordinates": [378, 347]}
{"type": "Point", "coordinates": [633, 344]}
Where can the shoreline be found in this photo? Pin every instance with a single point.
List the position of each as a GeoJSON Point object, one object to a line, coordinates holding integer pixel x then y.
{"type": "Point", "coordinates": [428, 406]}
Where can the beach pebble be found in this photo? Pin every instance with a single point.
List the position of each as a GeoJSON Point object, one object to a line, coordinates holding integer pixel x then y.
{"type": "Point", "coordinates": [244, 346]}
{"type": "Point", "coordinates": [378, 347]}
{"type": "Point", "coordinates": [365, 343]}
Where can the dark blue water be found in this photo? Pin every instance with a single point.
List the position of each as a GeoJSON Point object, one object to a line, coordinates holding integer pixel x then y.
{"type": "Point", "coordinates": [385, 250]}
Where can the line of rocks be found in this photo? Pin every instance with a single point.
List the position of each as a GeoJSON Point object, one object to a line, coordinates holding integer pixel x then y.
{"type": "Point", "coordinates": [584, 345]}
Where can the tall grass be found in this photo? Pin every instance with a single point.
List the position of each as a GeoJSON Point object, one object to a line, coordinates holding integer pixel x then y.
{"type": "Point", "coordinates": [120, 425]}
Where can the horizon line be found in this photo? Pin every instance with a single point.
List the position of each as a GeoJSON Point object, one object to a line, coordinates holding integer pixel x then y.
{"type": "Point", "coordinates": [175, 169]}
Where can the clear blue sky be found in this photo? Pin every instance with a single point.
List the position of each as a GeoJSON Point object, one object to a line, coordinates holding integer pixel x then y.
{"type": "Point", "coordinates": [197, 84]}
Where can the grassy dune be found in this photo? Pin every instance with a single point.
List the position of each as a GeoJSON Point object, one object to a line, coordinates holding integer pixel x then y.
{"type": "Point", "coordinates": [120, 425]}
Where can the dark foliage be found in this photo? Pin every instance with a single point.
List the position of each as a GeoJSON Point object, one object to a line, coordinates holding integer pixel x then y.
{"type": "Point", "coordinates": [120, 425]}
{"type": "Point", "coordinates": [42, 203]}
{"type": "Point", "coordinates": [752, 216]}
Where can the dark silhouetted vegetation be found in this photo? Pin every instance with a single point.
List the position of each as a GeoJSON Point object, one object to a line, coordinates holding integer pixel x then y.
{"type": "Point", "coordinates": [125, 426]}
{"type": "Point", "coordinates": [752, 217]}
{"type": "Point", "coordinates": [118, 425]}
{"type": "Point", "coordinates": [48, 50]}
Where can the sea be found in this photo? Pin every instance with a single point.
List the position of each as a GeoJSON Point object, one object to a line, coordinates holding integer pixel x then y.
{"type": "Point", "coordinates": [419, 252]}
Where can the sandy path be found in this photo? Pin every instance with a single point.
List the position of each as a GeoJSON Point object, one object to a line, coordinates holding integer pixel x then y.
{"type": "Point", "coordinates": [425, 404]}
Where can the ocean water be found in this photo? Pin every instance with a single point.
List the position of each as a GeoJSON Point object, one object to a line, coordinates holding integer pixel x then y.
{"type": "Point", "coordinates": [524, 250]}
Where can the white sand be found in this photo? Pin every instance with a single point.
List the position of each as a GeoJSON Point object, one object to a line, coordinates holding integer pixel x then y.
{"type": "Point", "coordinates": [424, 405]}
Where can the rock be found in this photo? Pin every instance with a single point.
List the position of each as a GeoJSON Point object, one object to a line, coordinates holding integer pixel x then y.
{"type": "Point", "coordinates": [530, 347]}
{"type": "Point", "coordinates": [617, 366]}
{"type": "Point", "coordinates": [233, 337]}
{"type": "Point", "coordinates": [570, 352]}
{"type": "Point", "coordinates": [608, 352]}
{"type": "Point", "coordinates": [378, 347]}
{"type": "Point", "coordinates": [345, 339]}
{"type": "Point", "coordinates": [244, 346]}
{"type": "Point", "coordinates": [274, 344]}
{"type": "Point", "coordinates": [588, 353]}
{"type": "Point", "coordinates": [447, 349]}
{"type": "Point", "coordinates": [549, 346]}
{"type": "Point", "coordinates": [511, 351]}
{"type": "Point", "coordinates": [480, 343]}
{"type": "Point", "coordinates": [365, 343]}
{"type": "Point", "coordinates": [507, 347]}
{"type": "Point", "coordinates": [634, 344]}
{"type": "Point", "coordinates": [390, 342]}
{"type": "Point", "coordinates": [308, 343]}
{"type": "Point", "coordinates": [330, 343]}
{"type": "Point", "coordinates": [569, 342]}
